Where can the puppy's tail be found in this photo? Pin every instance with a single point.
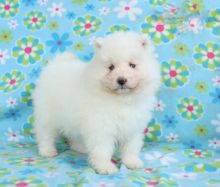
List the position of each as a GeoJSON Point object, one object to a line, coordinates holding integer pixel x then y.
{"type": "Point", "coordinates": [65, 57]}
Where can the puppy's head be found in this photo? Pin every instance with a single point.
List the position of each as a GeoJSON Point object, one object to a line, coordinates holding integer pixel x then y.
{"type": "Point", "coordinates": [124, 62]}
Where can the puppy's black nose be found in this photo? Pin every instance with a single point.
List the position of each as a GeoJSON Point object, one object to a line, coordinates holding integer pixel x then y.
{"type": "Point", "coordinates": [121, 81]}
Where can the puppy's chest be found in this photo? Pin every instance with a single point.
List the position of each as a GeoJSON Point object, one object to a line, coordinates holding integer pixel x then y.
{"type": "Point", "coordinates": [127, 123]}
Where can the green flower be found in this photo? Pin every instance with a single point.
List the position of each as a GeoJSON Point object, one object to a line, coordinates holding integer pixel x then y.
{"type": "Point", "coordinates": [28, 50]}
{"type": "Point", "coordinates": [26, 95]}
{"type": "Point", "coordinates": [197, 153]}
{"type": "Point", "coordinates": [174, 74]}
{"type": "Point", "coordinates": [28, 127]}
{"type": "Point", "coordinates": [79, 2]}
{"type": "Point", "coordinates": [181, 49]}
{"type": "Point", "coordinates": [24, 181]}
{"type": "Point", "coordinates": [11, 81]}
{"type": "Point", "coordinates": [5, 36]}
{"type": "Point", "coordinates": [116, 28]}
{"type": "Point", "coordinates": [193, 6]}
{"type": "Point", "coordinates": [27, 161]}
{"type": "Point", "coordinates": [201, 86]}
{"type": "Point", "coordinates": [34, 20]}
{"type": "Point", "coordinates": [214, 182]}
{"type": "Point", "coordinates": [212, 22]}
{"type": "Point", "coordinates": [75, 175]}
{"type": "Point", "coordinates": [158, 30]}
{"type": "Point", "coordinates": [208, 55]}
{"type": "Point", "coordinates": [169, 149]}
{"type": "Point", "coordinates": [143, 180]}
{"type": "Point", "coordinates": [157, 2]}
{"type": "Point", "coordinates": [51, 168]}
{"type": "Point", "coordinates": [190, 108]}
{"type": "Point", "coordinates": [199, 167]}
{"type": "Point", "coordinates": [8, 8]}
{"type": "Point", "coordinates": [201, 130]}
{"type": "Point", "coordinates": [53, 25]}
{"type": "Point", "coordinates": [4, 171]}
{"type": "Point", "coordinates": [216, 164]}
{"type": "Point", "coordinates": [152, 132]}
{"type": "Point", "coordinates": [85, 26]}
{"type": "Point", "coordinates": [79, 46]}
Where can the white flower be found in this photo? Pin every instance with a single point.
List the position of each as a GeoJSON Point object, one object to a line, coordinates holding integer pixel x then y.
{"type": "Point", "coordinates": [13, 136]}
{"type": "Point", "coordinates": [128, 9]}
{"type": "Point", "coordinates": [11, 102]}
{"type": "Point", "coordinates": [217, 123]}
{"type": "Point", "coordinates": [216, 81]}
{"type": "Point", "coordinates": [13, 24]}
{"type": "Point", "coordinates": [194, 25]}
{"type": "Point", "coordinates": [215, 143]}
{"type": "Point", "coordinates": [57, 9]}
{"type": "Point", "coordinates": [185, 176]}
{"type": "Point", "coordinates": [42, 2]}
{"type": "Point", "coordinates": [104, 11]}
{"type": "Point", "coordinates": [159, 106]}
{"type": "Point", "coordinates": [164, 159]}
{"type": "Point", "coordinates": [172, 137]}
{"type": "Point", "coordinates": [3, 56]}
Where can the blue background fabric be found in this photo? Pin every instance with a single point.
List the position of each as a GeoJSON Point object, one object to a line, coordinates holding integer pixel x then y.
{"type": "Point", "coordinates": [182, 140]}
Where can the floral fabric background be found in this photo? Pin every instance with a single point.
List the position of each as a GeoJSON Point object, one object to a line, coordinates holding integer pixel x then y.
{"type": "Point", "coordinates": [182, 140]}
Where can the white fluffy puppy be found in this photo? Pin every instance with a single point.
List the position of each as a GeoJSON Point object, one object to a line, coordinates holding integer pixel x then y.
{"type": "Point", "coordinates": [99, 105]}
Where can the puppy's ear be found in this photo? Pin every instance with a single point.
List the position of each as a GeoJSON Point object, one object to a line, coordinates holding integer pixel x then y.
{"type": "Point", "coordinates": [97, 43]}
{"type": "Point", "coordinates": [144, 41]}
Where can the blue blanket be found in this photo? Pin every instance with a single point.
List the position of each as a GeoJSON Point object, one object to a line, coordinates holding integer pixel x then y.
{"type": "Point", "coordinates": [183, 138]}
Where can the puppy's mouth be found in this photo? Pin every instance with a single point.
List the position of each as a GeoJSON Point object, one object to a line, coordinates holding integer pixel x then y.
{"type": "Point", "coordinates": [125, 89]}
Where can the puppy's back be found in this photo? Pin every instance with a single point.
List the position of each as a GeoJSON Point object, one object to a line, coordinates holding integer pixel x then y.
{"type": "Point", "coordinates": [58, 79]}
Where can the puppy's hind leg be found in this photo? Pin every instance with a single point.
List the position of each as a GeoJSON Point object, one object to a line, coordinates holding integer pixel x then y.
{"type": "Point", "coordinates": [45, 136]}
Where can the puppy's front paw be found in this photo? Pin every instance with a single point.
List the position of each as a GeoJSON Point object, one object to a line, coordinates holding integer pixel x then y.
{"type": "Point", "coordinates": [133, 163]}
{"type": "Point", "coordinates": [107, 168]}
{"type": "Point", "coordinates": [47, 152]}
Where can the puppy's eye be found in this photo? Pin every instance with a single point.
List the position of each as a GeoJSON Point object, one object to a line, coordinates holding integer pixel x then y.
{"type": "Point", "coordinates": [132, 65]}
{"type": "Point", "coordinates": [111, 67]}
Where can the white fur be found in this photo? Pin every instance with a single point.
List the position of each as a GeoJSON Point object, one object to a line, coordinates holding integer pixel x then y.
{"type": "Point", "coordinates": [84, 102]}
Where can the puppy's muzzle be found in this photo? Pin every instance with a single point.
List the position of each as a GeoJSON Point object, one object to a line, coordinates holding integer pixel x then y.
{"type": "Point", "coordinates": [121, 81]}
